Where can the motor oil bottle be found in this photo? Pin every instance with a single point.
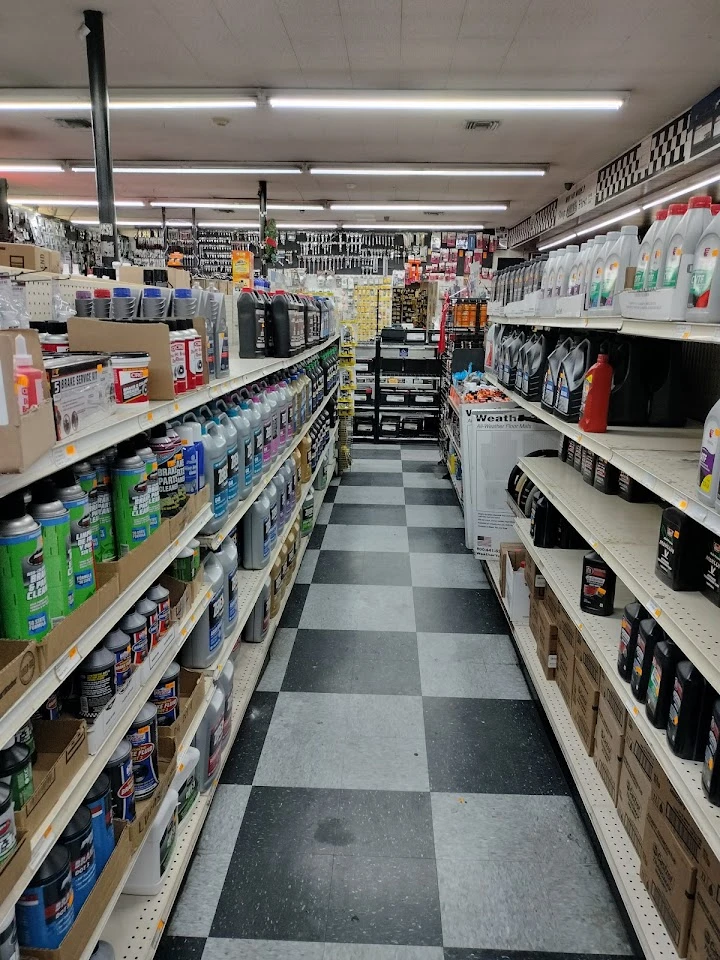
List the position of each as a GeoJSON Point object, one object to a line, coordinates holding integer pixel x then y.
{"type": "Point", "coordinates": [595, 399]}
{"type": "Point", "coordinates": [606, 477]}
{"type": "Point", "coordinates": [228, 557]}
{"type": "Point", "coordinates": [209, 740]}
{"type": "Point", "coordinates": [552, 372]}
{"type": "Point", "coordinates": [511, 357]}
{"type": "Point", "coordinates": [630, 490]}
{"type": "Point", "coordinates": [587, 467]}
{"type": "Point", "coordinates": [622, 254]}
{"type": "Point", "coordinates": [597, 591]}
{"type": "Point", "coordinates": [571, 380]}
{"type": "Point", "coordinates": [585, 265]}
{"type": "Point", "coordinates": [547, 284]}
{"type": "Point", "coordinates": [203, 646]}
{"type": "Point", "coordinates": [681, 549]}
{"type": "Point", "coordinates": [254, 417]}
{"type": "Point", "coordinates": [543, 523]}
{"type": "Point", "coordinates": [711, 766]}
{"type": "Point", "coordinates": [256, 534]}
{"type": "Point", "coordinates": [565, 266]}
{"type": "Point", "coordinates": [704, 294]}
{"type": "Point", "coordinates": [681, 250]}
{"type": "Point", "coordinates": [251, 324]}
{"type": "Point", "coordinates": [661, 682]}
{"type": "Point", "coordinates": [710, 585]}
{"type": "Point", "coordinates": [47, 510]}
{"type": "Point", "coordinates": [600, 251]}
{"type": "Point", "coordinates": [536, 356]}
{"type": "Point", "coordinates": [633, 614]}
{"type": "Point", "coordinates": [276, 587]}
{"type": "Point", "coordinates": [76, 502]}
{"type": "Point", "coordinates": [690, 711]}
{"type": "Point", "coordinates": [642, 263]}
{"type": "Point", "coordinates": [216, 475]}
{"type": "Point", "coordinates": [709, 468]}
{"type": "Point", "coordinates": [649, 635]}
{"type": "Point", "coordinates": [517, 379]}
{"type": "Point", "coordinates": [661, 243]}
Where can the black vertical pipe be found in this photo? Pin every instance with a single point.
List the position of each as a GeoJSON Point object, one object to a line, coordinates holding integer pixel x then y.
{"type": "Point", "coordinates": [262, 197]}
{"type": "Point", "coordinates": [195, 248]}
{"type": "Point", "coordinates": [97, 79]}
{"type": "Point", "coordinates": [4, 212]}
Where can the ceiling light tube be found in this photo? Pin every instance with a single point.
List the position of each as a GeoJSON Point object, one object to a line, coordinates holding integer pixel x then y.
{"type": "Point", "coordinates": [556, 243]}
{"type": "Point", "coordinates": [159, 168]}
{"type": "Point", "coordinates": [12, 166]}
{"type": "Point", "coordinates": [681, 193]}
{"type": "Point", "coordinates": [427, 227]}
{"type": "Point", "coordinates": [308, 226]}
{"type": "Point", "coordinates": [607, 223]}
{"type": "Point", "coordinates": [442, 102]}
{"type": "Point", "coordinates": [134, 223]}
{"type": "Point", "coordinates": [400, 171]}
{"type": "Point", "coordinates": [238, 103]}
{"type": "Point", "coordinates": [63, 202]}
{"type": "Point", "coordinates": [230, 224]}
{"type": "Point", "coordinates": [230, 205]}
{"type": "Point", "coordinates": [51, 106]}
{"type": "Point", "coordinates": [419, 207]}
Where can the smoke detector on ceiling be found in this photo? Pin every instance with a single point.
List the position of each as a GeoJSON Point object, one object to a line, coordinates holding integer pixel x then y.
{"type": "Point", "coordinates": [73, 123]}
{"type": "Point", "coordinates": [485, 125]}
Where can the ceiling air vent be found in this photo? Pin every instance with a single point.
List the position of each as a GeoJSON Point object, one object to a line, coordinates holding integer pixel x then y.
{"type": "Point", "coordinates": [73, 123]}
{"type": "Point", "coordinates": [485, 125]}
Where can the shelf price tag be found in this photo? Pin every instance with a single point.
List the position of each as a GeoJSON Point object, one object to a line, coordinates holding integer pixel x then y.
{"type": "Point", "coordinates": [67, 664]}
{"type": "Point", "coordinates": [61, 456]}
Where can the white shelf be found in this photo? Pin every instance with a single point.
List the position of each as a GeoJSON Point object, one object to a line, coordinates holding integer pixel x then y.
{"type": "Point", "coordinates": [131, 419]}
{"type": "Point", "coordinates": [626, 536]}
{"type": "Point", "coordinates": [658, 329]}
{"type": "Point", "coordinates": [46, 684]}
{"type": "Point", "coordinates": [214, 540]}
{"type": "Point", "coordinates": [562, 571]}
{"type": "Point", "coordinates": [621, 857]}
{"type": "Point", "coordinates": [665, 460]}
{"type": "Point", "coordinates": [134, 925]}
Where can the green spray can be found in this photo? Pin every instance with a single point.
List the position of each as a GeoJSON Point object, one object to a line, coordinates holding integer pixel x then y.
{"type": "Point", "coordinates": [76, 502]}
{"type": "Point", "coordinates": [106, 550]}
{"type": "Point", "coordinates": [24, 608]}
{"type": "Point", "coordinates": [54, 522]}
{"type": "Point", "coordinates": [131, 499]}
{"type": "Point", "coordinates": [87, 481]}
{"type": "Point", "coordinates": [151, 471]}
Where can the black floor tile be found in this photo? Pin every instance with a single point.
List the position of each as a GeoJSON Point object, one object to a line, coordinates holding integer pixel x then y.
{"type": "Point", "coordinates": [180, 948]}
{"type": "Point", "coordinates": [462, 953]}
{"type": "Point", "coordinates": [393, 900]}
{"type": "Point", "coordinates": [379, 479]}
{"type": "Point", "coordinates": [245, 752]}
{"type": "Point", "coordinates": [436, 539]}
{"type": "Point", "coordinates": [377, 453]}
{"type": "Point", "coordinates": [368, 513]}
{"type": "Point", "coordinates": [316, 538]}
{"type": "Point", "coordinates": [330, 494]}
{"type": "Point", "coordinates": [489, 746]}
{"type": "Point", "coordinates": [457, 610]}
{"type": "Point", "coordinates": [353, 661]}
{"type": "Point", "coordinates": [424, 466]}
{"type": "Point", "coordinates": [294, 606]}
{"type": "Point", "coordinates": [356, 566]}
{"type": "Point", "coordinates": [423, 496]}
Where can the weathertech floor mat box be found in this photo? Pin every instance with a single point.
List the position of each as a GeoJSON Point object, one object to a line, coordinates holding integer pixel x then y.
{"type": "Point", "coordinates": [704, 943]}
{"type": "Point", "coordinates": [608, 754]}
{"type": "Point", "coordinates": [24, 438]}
{"type": "Point", "coordinates": [19, 667]}
{"type": "Point", "coordinates": [584, 710]}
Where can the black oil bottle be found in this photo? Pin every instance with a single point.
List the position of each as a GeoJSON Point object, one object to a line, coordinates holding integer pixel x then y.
{"type": "Point", "coordinates": [536, 358]}
{"type": "Point", "coordinates": [632, 615]}
{"type": "Point", "coordinates": [632, 491]}
{"type": "Point", "coordinates": [552, 371]}
{"type": "Point", "coordinates": [711, 769]}
{"type": "Point", "coordinates": [543, 523]}
{"type": "Point", "coordinates": [690, 708]}
{"type": "Point", "coordinates": [660, 682]}
{"type": "Point", "coordinates": [681, 551]}
{"type": "Point", "coordinates": [587, 467]}
{"type": "Point", "coordinates": [649, 635]}
{"type": "Point", "coordinates": [597, 587]}
{"type": "Point", "coordinates": [570, 380]}
{"type": "Point", "coordinates": [710, 584]}
{"type": "Point", "coordinates": [606, 476]}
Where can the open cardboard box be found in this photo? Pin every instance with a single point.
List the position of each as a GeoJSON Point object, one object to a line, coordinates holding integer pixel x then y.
{"type": "Point", "coordinates": [62, 750]}
{"type": "Point", "coordinates": [132, 565]}
{"type": "Point", "coordinates": [192, 697]}
{"type": "Point", "coordinates": [145, 810]}
{"type": "Point", "coordinates": [180, 602]}
{"type": "Point", "coordinates": [13, 868]}
{"type": "Point", "coordinates": [23, 438]}
{"type": "Point", "coordinates": [19, 668]}
{"type": "Point", "coordinates": [27, 256]}
{"type": "Point", "coordinates": [152, 338]}
{"type": "Point", "coordinates": [195, 503]}
{"type": "Point", "coordinates": [85, 925]}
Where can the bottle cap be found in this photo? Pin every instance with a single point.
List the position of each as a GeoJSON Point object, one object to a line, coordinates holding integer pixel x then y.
{"type": "Point", "coordinates": [661, 214]}
{"type": "Point", "coordinates": [21, 357]}
{"type": "Point", "coordinates": [715, 209]}
{"type": "Point", "coordinates": [677, 209]}
{"type": "Point", "coordinates": [102, 293]}
{"type": "Point", "coordinates": [703, 201]}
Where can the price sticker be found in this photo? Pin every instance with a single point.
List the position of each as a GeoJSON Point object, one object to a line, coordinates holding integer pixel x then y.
{"type": "Point", "coordinates": [683, 504]}
{"type": "Point", "coordinates": [176, 406]}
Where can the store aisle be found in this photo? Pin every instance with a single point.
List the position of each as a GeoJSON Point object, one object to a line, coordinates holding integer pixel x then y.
{"type": "Point", "coordinates": [392, 794]}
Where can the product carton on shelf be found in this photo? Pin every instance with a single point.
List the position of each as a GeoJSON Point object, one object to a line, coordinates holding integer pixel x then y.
{"type": "Point", "coordinates": [26, 256]}
{"type": "Point", "coordinates": [111, 336]}
{"type": "Point", "coordinates": [15, 866]}
{"type": "Point", "coordinates": [84, 930]}
{"type": "Point", "coordinates": [145, 810]}
{"type": "Point", "coordinates": [609, 748]}
{"type": "Point", "coordinates": [584, 710]}
{"type": "Point", "coordinates": [704, 942]}
{"type": "Point", "coordinates": [544, 629]}
{"type": "Point", "coordinates": [635, 785]}
{"type": "Point", "coordinates": [191, 685]}
{"type": "Point", "coordinates": [587, 658]}
{"type": "Point", "coordinates": [565, 669]}
{"type": "Point", "coordinates": [515, 550]}
{"type": "Point", "coordinates": [19, 668]}
{"type": "Point", "coordinates": [176, 277]}
{"type": "Point", "coordinates": [132, 565]}
{"type": "Point", "coordinates": [24, 438]}
{"type": "Point", "coordinates": [535, 581]}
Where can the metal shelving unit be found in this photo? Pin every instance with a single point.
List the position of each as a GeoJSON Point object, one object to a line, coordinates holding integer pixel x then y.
{"type": "Point", "coordinates": [658, 329]}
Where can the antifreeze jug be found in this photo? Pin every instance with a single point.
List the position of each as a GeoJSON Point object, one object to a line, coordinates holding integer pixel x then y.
{"type": "Point", "coordinates": [253, 415]}
{"type": "Point", "coordinates": [245, 437]}
{"type": "Point", "coordinates": [227, 425]}
{"type": "Point", "coordinates": [256, 534]}
{"type": "Point", "coordinates": [209, 740]}
{"type": "Point", "coordinates": [227, 555]}
{"type": "Point", "coordinates": [203, 646]}
{"type": "Point", "coordinates": [216, 474]}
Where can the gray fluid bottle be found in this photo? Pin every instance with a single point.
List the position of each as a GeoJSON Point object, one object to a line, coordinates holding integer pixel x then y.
{"type": "Point", "coordinates": [272, 400]}
{"type": "Point", "coordinates": [254, 417]}
{"type": "Point", "coordinates": [245, 446]}
{"type": "Point", "coordinates": [229, 430]}
{"type": "Point", "coordinates": [266, 413]}
{"type": "Point", "coordinates": [209, 740]}
{"type": "Point", "coordinates": [228, 557]}
{"type": "Point", "coordinates": [273, 496]}
{"type": "Point", "coordinates": [256, 534]}
{"type": "Point", "coordinates": [216, 474]}
{"type": "Point", "coordinates": [287, 473]}
{"type": "Point", "coordinates": [203, 646]}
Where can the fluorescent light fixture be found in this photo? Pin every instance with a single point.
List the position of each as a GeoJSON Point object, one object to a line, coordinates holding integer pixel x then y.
{"type": "Point", "coordinates": [231, 205]}
{"type": "Point", "coordinates": [308, 226]}
{"type": "Point", "coordinates": [63, 202]}
{"type": "Point", "coordinates": [72, 106]}
{"type": "Point", "coordinates": [238, 103]}
{"type": "Point", "coordinates": [230, 224]}
{"type": "Point", "coordinates": [159, 168]}
{"type": "Point", "coordinates": [402, 171]}
{"type": "Point", "coordinates": [606, 223]}
{"type": "Point", "coordinates": [556, 243]}
{"type": "Point", "coordinates": [75, 104]}
{"type": "Point", "coordinates": [441, 102]}
{"type": "Point", "coordinates": [419, 207]}
{"type": "Point", "coordinates": [10, 166]}
{"type": "Point", "coordinates": [135, 223]}
{"type": "Point", "coordinates": [682, 193]}
{"type": "Point", "coordinates": [427, 227]}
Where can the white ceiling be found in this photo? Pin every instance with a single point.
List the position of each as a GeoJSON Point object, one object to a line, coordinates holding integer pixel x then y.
{"type": "Point", "coordinates": [662, 51]}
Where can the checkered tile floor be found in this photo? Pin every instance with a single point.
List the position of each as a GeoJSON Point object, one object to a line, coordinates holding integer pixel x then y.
{"type": "Point", "coordinates": [392, 794]}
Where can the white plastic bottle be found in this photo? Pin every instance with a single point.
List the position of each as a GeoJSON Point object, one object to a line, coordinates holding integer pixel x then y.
{"type": "Point", "coordinates": [684, 240]}
{"type": "Point", "coordinates": [597, 272]}
{"type": "Point", "coordinates": [547, 284]}
{"type": "Point", "coordinates": [622, 254]}
{"type": "Point", "coordinates": [584, 268]}
{"type": "Point", "coordinates": [209, 740]}
{"type": "Point", "coordinates": [704, 295]}
{"type": "Point", "coordinates": [676, 211]}
{"type": "Point", "coordinates": [146, 877]}
{"type": "Point", "coordinates": [565, 266]}
{"type": "Point", "coordinates": [709, 467]}
{"type": "Point", "coordinates": [228, 558]}
{"type": "Point", "coordinates": [642, 266]}
{"type": "Point", "coordinates": [575, 270]}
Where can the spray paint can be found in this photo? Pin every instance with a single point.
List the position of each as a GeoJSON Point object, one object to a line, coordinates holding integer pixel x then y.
{"type": "Point", "coordinates": [161, 596]}
{"type": "Point", "coordinates": [76, 502]}
{"type": "Point", "coordinates": [153, 482]}
{"type": "Point", "coordinates": [24, 606]}
{"type": "Point", "coordinates": [96, 678]}
{"type": "Point", "coordinates": [149, 610]}
{"type": "Point", "coordinates": [143, 736]}
{"type": "Point", "coordinates": [164, 449]}
{"type": "Point", "coordinates": [87, 481]}
{"type": "Point", "coordinates": [131, 500]}
{"type": "Point", "coordinates": [135, 626]}
{"type": "Point", "coordinates": [54, 522]}
{"type": "Point", "coordinates": [118, 643]}
{"type": "Point", "coordinates": [119, 769]}
{"type": "Point", "coordinates": [105, 551]}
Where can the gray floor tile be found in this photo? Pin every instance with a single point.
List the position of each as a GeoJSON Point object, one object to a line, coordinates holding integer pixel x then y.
{"type": "Point", "coordinates": [423, 453]}
{"type": "Point", "coordinates": [484, 826]}
{"type": "Point", "coordinates": [307, 567]}
{"type": "Point", "coordinates": [358, 607]}
{"type": "Point", "coordinates": [383, 717]}
{"type": "Point", "coordinates": [324, 513]}
{"type": "Point", "coordinates": [456, 610]}
{"type": "Point", "coordinates": [357, 537]}
{"type": "Point", "coordinates": [472, 678]}
{"type": "Point", "coordinates": [490, 648]}
{"type": "Point", "coordinates": [218, 948]}
{"type": "Point", "coordinates": [385, 495]}
{"type": "Point", "coordinates": [376, 479]}
{"type": "Point", "coordinates": [437, 540]}
{"type": "Point", "coordinates": [246, 750]}
{"type": "Point", "coordinates": [195, 908]}
{"type": "Point", "coordinates": [385, 764]}
{"type": "Point", "coordinates": [388, 451]}
{"type": "Point", "coordinates": [447, 570]}
{"type": "Point", "coordinates": [375, 951]}
{"type": "Point", "coordinates": [429, 496]}
{"type": "Point", "coordinates": [432, 516]}
{"type": "Point", "coordinates": [223, 820]}
{"type": "Point", "coordinates": [297, 758]}
{"type": "Point", "coordinates": [383, 515]}
{"type": "Point", "coordinates": [367, 566]}
{"type": "Point", "coordinates": [272, 676]}
{"type": "Point", "coordinates": [425, 480]}
{"type": "Point", "coordinates": [373, 465]}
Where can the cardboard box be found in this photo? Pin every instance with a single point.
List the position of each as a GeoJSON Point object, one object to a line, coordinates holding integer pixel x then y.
{"type": "Point", "coordinates": [132, 565]}
{"type": "Point", "coordinates": [180, 601]}
{"type": "Point", "coordinates": [608, 754]}
{"type": "Point", "coordinates": [26, 256]}
{"type": "Point", "coordinates": [584, 710]}
{"type": "Point", "coordinates": [19, 668]}
{"type": "Point", "coordinates": [534, 579]}
{"type": "Point", "coordinates": [145, 810]}
{"type": "Point", "coordinates": [584, 654]}
{"type": "Point", "coordinates": [612, 709]}
{"type": "Point", "coordinates": [635, 786]}
{"type": "Point", "coordinates": [192, 699]}
{"type": "Point", "coordinates": [62, 750]}
{"type": "Point", "coordinates": [195, 503]}
{"type": "Point", "coordinates": [552, 603]}
{"type": "Point", "coordinates": [152, 338]}
{"type": "Point", "coordinates": [516, 550]}
{"type": "Point", "coordinates": [544, 629]}
{"type": "Point", "coordinates": [704, 938]}
{"type": "Point", "coordinates": [85, 927]}
{"type": "Point", "coordinates": [24, 438]}
{"type": "Point", "coordinates": [567, 629]}
{"type": "Point", "coordinates": [565, 669]}
{"type": "Point", "coordinates": [670, 809]}
{"type": "Point", "coordinates": [13, 868]}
